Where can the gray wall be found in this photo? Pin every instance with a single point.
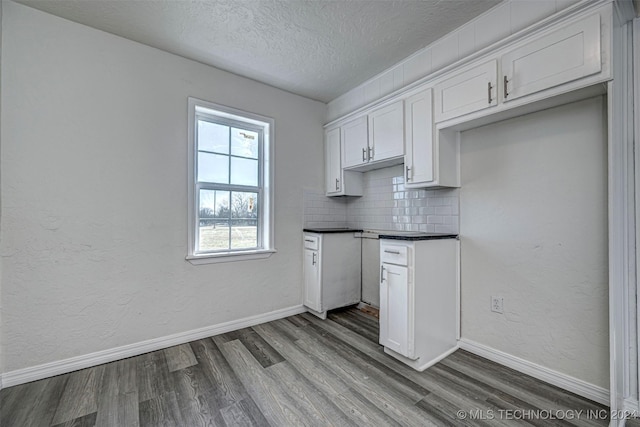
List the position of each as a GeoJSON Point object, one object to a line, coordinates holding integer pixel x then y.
{"type": "Point", "coordinates": [533, 226]}
{"type": "Point", "coordinates": [94, 201]}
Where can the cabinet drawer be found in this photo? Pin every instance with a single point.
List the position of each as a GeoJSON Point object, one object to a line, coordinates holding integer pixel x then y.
{"type": "Point", "coordinates": [394, 254]}
{"type": "Point", "coordinates": [311, 242]}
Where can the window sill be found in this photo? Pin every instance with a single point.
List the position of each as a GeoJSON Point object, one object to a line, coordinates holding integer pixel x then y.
{"type": "Point", "coordinates": [229, 256]}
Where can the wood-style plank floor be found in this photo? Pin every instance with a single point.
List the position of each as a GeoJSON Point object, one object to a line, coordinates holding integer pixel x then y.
{"type": "Point", "coordinates": [293, 372]}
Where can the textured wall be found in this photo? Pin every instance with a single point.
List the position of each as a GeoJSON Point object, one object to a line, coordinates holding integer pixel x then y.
{"type": "Point", "coordinates": [533, 226]}
{"type": "Point", "coordinates": [1, 335]}
{"type": "Point", "coordinates": [94, 203]}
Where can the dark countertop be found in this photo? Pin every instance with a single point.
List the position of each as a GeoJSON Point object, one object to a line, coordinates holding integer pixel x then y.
{"type": "Point", "coordinates": [416, 236]}
{"type": "Point", "coordinates": [332, 230]}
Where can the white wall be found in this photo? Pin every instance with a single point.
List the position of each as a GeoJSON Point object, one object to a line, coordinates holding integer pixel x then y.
{"type": "Point", "coordinates": [1, 341]}
{"type": "Point", "coordinates": [533, 225]}
{"type": "Point", "coordinates": [94, 203]}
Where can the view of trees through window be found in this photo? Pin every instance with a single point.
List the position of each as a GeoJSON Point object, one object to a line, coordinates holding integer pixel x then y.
{"type": "Point", "coordinates": [231, 209]}
{"type": "Point", "coordinates": [228, 220]}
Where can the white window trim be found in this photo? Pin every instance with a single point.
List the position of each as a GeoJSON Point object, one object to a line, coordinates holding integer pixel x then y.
{"type": "Point", "coordinates": [267, 210]}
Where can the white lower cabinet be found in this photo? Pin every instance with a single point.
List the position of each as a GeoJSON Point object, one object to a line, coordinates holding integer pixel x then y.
{"type": "Point", "coordinates": [394, 297]}
{"type": "Point", "coordinates": [312, 279]}
{"type": "Point", "coordinates": [331, 271]}
{"type": "Point", "coordinates": [419, 300]}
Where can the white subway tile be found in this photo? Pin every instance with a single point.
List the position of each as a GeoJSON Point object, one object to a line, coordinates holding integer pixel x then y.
{"type": "Point", "coordinates": [443, 210]}
{"type": "Point", "coordinates": [434, 219]}
{"type": "Point", "coordinates": [419, 219]}
{"type": "Point", "coordinates": [427, 210]}
{"type": "Point", "coordinates": [445, 229]}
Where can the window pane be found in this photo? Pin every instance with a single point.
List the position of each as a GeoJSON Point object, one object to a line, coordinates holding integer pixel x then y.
{"type": "Point", "coordinates": [244, 234]}
{"type": "Point", "coordinates": [244, 143]}
{"type": "Point", "coordinates": [213, 137]}
{"type": "Point", "coordinates": [244, 171]}
{"type": "Point", "coordinates": [214, 204]}
{"type": "Point", "coordinates": [244, 224]}
{"type": "Point", "coordinates": [213, 168]}
{"type": "Point", "coordinates": [213, 228]}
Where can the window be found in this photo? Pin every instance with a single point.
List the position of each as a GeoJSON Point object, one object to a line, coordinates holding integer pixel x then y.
{"type": "Point", "coordinates": [230, 184]}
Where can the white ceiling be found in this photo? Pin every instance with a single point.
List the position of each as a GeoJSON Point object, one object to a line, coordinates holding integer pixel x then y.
{"type": "Point", "coordinates": [316, 48]}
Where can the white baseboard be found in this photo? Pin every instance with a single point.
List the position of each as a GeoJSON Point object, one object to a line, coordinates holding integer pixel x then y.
{"type": "Point", "coordinates": [564, 381]}
{"type": "Point", "coordinates": [51, 369]}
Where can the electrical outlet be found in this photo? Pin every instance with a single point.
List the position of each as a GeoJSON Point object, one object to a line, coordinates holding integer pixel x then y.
{"type": "Point", "coordinates": [496, 305]}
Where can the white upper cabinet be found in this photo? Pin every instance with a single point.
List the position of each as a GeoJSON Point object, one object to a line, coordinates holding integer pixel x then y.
{"type": "Point", "coordinates": [386, 132]}
{"type": "Point", "coordinates": [549, 64]}
{"type": "Point", "coordinates": [465, 92]}
{"type": "Point", "coordinates": [338, 182]}
{"type": "Point", "coordinates": [355, 142]}
{"type": "Point", "coordinates": [419, 157]}
{"type": "Point", "coordinates": [370, 141]}
{"type": "Point", "coordinates": [333, 166]}
{"type": "Point", "coordinates": [568, 54]}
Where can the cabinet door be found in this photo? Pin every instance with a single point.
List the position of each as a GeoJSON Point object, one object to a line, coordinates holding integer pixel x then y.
{"type": "Point", "coordinates": [419, 157]}
{"type": "Point", "coordinates": [466, 92]}
{"type": "Point", "coordinates": [395, 312]}
{"type": "Point", "coordinates": [560, 57]}
{"type": "Point", "coordinates": [386, 132]}
{"type": "Point", "coordinates": [333, 167]}
{"type": "Point", "coordinates": [355, 148]}
{"type": "Point", "coordinates": [312, 288]}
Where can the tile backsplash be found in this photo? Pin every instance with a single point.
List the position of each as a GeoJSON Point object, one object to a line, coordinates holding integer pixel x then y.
{"type": "Point", "coordinates": [323, 211]}
{"type": "Point", "coordinates": [386, 205]}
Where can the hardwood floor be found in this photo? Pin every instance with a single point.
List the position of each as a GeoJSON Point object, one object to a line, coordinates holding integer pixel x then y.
{"type": "Point", "coordinates": [293, 372]}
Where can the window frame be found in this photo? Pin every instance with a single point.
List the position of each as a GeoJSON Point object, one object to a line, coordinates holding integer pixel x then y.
{"type": "Point", "coordinates": [250, 121]}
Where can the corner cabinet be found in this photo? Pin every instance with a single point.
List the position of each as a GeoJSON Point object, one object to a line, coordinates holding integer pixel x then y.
{"type": "Point", "coordinates": [338, 182]}
{"type": "Point", "coordinates": [419, 294]}
{"type": "Point", "coordinates": [331, 271]}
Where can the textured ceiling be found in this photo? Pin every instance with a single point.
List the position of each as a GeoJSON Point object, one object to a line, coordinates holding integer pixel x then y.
{"type": "Point", "coordinates": [316, 48]}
